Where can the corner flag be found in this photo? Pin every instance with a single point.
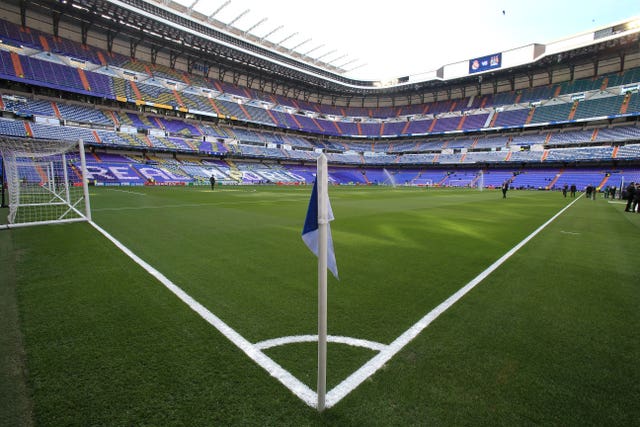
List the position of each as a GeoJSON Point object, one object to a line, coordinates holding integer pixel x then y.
{"type": "Point", "coordinates": [311, 234]}
{"type": "Point", "coordinates": [316, 234]}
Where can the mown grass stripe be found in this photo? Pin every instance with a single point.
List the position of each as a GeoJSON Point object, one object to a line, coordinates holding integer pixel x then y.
{"type": "Point", "coordinates": [275, 370]}
{"type": "Point", "coordinates": [372, 366]}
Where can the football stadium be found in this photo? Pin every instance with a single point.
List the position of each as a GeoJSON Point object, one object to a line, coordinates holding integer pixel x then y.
{"type": "Point", "coordinates": [202, 227]}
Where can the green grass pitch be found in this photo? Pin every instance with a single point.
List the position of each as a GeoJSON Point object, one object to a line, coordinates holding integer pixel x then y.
{"type": "Point", "coordinates": [551, 337]}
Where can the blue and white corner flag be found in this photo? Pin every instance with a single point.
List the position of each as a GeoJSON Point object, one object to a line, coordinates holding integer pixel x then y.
{"type": "Point", "coordinates": [318, 205]}
{"type": "Point", "coordinates": [311, 234]}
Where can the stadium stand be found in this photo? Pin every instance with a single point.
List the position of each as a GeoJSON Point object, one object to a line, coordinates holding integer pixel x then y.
{"type": "Point", "coordinates": [151, 107]}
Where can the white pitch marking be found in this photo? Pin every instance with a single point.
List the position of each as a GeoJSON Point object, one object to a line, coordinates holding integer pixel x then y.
{"type": "Point", "coordinates": [354, 342]}
{"type": "Point", "coordinates": [186, 205]}
{"type": "Point", "coordinates": [128, 191]}
{"type": "Point", "coordinates": [226, 190]}
{"type": "Point", "coordinates": [371, 367]}
{"type": "Point", "coordinates": [570, 232]}
{"type": "Point", "coordinates": [298, 388]}
{"type": "Point", "coordinates": [137, 208]}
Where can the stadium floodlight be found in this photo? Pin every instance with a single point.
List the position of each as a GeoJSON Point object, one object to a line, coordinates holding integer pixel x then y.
{"type": "Point", "coordinates": [46, 181]}
{"type": "Point", "coordinates": [271, 32]}
{"type": "Point", "coordinates": [288, 37]}
{"type": "Point", "coordinates": [234, 20]}
{"type": "Point", "coordinates": [222, 6]}
{"type": "Point", "coordinates": [255, 25]}
{"type": "Point", "coordinates": [300, 44]}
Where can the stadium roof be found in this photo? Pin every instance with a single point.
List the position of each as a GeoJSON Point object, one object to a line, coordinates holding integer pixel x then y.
{"type": "Point", "coordinates": [174, 29]}
{"type": "Point", "coordinates": [373, 41]}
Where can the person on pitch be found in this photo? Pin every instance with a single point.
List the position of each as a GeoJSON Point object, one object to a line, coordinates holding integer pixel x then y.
{"type": "Point", "coordinates": [505, 188]}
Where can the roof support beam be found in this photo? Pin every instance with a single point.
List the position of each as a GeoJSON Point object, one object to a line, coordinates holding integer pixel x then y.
{"type": "Point", "coordinates": [254, 26]}
{"type": "Point", "coordinates": [55, 16]}
{"type": "Point", "coordinates": [288, 37]}
{"type": "Point", "coordinates": [313, 50]}
{"type": "Point", "coordinates": [215, 12]}
{"type": "Point", "coordinates": [173, 56]}
{"type": "Point", "coordinates": [335, 59]}
{"type": "Point", "coordinates": [23, 14]}
{"type": "Point", "coordinates": [347, 63]}
{"type": "Point", "coordinates": [195, 2]}
{"type": "Point", "coordinates": [271, 32]}
{"type": "Point", "coordinates": [153, 50]}
{"type": "Point", "coordinates": [234, 20]}
{"type": "Point", "coordinates": [355, 68]}
{"type": "Point", "coordinates": [300, 44]}
{"type": "Point", "coordinates": [110, 38]}
{"type": "Point", "coordinates": [325, 54]}
{"type": "Point", "coordinates": [84, 31]}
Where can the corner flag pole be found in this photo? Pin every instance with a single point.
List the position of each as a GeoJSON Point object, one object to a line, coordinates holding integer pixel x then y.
{"type": "Point", "coordinates": [323, 221]}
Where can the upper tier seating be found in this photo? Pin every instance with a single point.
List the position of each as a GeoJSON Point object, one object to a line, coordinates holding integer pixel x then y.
{"type": "Point", "coordinates": [85, 70]}
{"type": "Point", "coordinates": [87, 77]}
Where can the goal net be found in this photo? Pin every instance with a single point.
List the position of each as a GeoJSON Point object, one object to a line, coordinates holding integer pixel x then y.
{"type": "Point", "coordinates": [45, 181]}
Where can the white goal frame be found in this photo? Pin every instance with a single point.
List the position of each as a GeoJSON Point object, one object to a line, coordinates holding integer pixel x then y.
{"type": "Point", "coordinates": [41, 189]}
{"type": "Point", "coordinates": [480, 182]}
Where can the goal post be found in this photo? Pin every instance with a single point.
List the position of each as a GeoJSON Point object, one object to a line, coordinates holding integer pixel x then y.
{"type": "Point", "coordinates": [2, 183]}
{"type": "Point", "coordinates": [46, 181]}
